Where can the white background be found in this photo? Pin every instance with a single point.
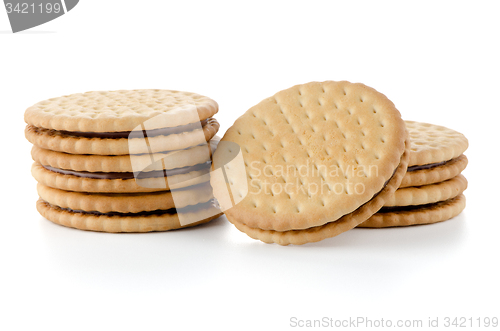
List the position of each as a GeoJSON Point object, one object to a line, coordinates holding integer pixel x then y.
{"type": "Point", "coordinates": [438, 62]}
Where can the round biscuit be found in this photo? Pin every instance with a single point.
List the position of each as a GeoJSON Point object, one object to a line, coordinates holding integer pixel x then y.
{"type": "Point", "coordinates": [93, 185]}
{"type": "Point", "coordinates": [437, 174]}
{"type": "Point", "coordinates": [56, 141]}
{"type": "Point", "coordinates": [116, 111]}
{"type": "Point", "coordinates": [320, 127]}
{"type": "Point", "coordinates": [421, 195]}
{"type": "Point", "coordinates": [434, 143]}
{"type": "Point", "coordinates": [126, 202]}
{"type": "Point", "coordinates": [104, 223]}
{"type": "Point", "coordinates": [123, 163]}
{"type": "Point", "coordinates": [334, 228]}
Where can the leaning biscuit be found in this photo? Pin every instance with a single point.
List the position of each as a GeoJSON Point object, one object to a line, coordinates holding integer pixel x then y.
{"type": "Point", "coordinates": [123, 163]}
{"type": "Point", "coordinates": [119, 111]}
{"type": "Point", "coordinates": [331, 229]}
{"type": "Point", "coordinates": [346, 135]}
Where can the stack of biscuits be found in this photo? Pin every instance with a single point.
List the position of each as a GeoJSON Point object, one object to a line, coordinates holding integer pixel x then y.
{"type": "Point", "coordinates": [124, 161]}
{"type": "Point", "coordinates": [432, 188]}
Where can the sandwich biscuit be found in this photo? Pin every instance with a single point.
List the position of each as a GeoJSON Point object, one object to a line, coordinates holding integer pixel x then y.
{"type": "Point", "coordinates": [436, 154]}
{"type": "Point", "coordinates": [432, 188]}
{"type": "Point", "coordinates": [124, 161]}
{"type": "Point", "coordinates": [320, 158]}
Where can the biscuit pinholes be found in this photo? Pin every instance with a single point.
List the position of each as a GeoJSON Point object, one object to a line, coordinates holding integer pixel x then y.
{"type": "Point", "coordinates": [124, 161]}
{"type": "Point", "coordinates": [320, 158]}
{"type": "Point", "coordinates": [118, 111]}
{"type": "Point", "coordinates": [101, 122]}
{"type": "Point", "coordinates": [434, 143]}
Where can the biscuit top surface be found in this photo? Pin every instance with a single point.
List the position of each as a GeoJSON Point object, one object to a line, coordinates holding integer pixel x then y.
{"type": "Point", "coordinates": [432, 143]}
{"type": "Point", "coordinates": [117, 111]}
{"type": "Point", "coordinates": [313, 153]}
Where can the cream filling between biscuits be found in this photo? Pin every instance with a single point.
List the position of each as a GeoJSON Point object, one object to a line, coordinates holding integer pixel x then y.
{"type": "Point", "coordinates": [172, 211]}
{"type": "Point", "coordinates": [395, 209]}
{"type": "Point", "coordinates": [430, 165]}
{"type": "Point", "coordinates": [141, 134]}
{"type": "Point", "coordinates": [131, 175]}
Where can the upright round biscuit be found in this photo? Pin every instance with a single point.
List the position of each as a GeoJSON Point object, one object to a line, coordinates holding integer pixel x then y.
{"type": "Point", "coordinates": [313, 153]}
{"type": "Point", "coordinates": [117, 111]}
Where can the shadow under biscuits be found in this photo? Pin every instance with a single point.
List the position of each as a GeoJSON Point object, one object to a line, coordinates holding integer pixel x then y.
{"type": "Point", "coordinates": [155, 257]}
{"type": "Point", "coordinates": [445, 235]}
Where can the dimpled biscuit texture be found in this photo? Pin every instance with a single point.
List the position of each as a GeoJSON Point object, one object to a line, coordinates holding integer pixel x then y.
{"type": "Point", "coordinates": [433, 143]}
{"type": "Point", "coordinates": [308, 148]}
{"type": "Point", "coordinates": [115, 111]}
{"type": "Point", "coordinates": [437, 212]}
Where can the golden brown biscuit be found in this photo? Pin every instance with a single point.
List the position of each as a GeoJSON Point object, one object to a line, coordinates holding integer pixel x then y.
{"type": "Point", "coordinates": [421, 195]}
{"type": "Point", "coordinates": [340, 134]}
{"type": "Point", "coordinates": [434, 143]}
{"type": "Point", "coordinates": [435, 174]}
{"type": "Point", "coordinates": [426, 214]}
{"type": "Point", "coordinates": [114, 223]}
{"type": "Point", "coordinates": [118, 111]}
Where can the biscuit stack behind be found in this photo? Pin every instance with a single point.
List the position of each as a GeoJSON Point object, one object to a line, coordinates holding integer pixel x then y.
{"type": "Point", "coordinates": [431, 190]}
{"type": "Point", "coordinates": [124, 161]}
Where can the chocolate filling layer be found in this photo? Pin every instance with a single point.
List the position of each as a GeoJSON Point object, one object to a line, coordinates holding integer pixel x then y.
{"type": "Point", "coordinates": [406, 208]}
{"type": "Point", "coordinates": [428, 166]}
{"type": "Point", "coordinates": [188, 209]}
{"type": "Point", "coordinates": [141, 134]}
{"type": "Point", "coordinates": [130, 175]}
{"type": "Point", "coordinates": [385, 184]}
